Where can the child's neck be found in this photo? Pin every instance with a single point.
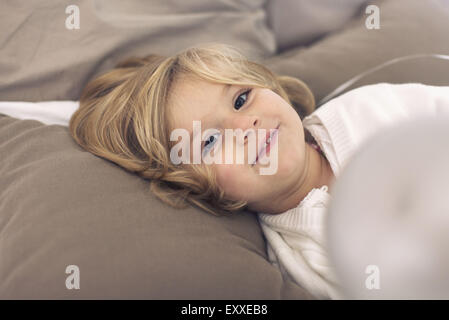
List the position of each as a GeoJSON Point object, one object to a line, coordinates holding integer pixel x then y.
{"type": "Point", "coordinates": [317, 173]}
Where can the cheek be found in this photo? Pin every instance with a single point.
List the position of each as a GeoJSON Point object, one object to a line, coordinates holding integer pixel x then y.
{"type": "Point", "coordinates": [232, 179]}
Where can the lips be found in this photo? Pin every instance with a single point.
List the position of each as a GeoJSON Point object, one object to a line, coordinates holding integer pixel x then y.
{"type": "Point", "coordinates": [265, 146]}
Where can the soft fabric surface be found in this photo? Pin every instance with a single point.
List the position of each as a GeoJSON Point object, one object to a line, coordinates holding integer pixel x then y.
{"type": "Point", "coordinates": [61, 206]}
{"type": "Point", "coordinates": [300, 22]}
{"type": "Point", "coordinates": [407, 27]}
{"type": "Point", "coordinates": [42, 60]}
{"type": "Point", "coordinates": [296, 243]}
{"type": "Point", "coordinates": [48, 112]}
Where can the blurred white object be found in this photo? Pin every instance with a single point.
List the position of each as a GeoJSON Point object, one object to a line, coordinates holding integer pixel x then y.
{"type": "Point", "coordinates": [388, 222]}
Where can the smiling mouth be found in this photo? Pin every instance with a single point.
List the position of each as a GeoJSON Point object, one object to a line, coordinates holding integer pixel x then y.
{"type": "Point", "coordinates": [266, 147]}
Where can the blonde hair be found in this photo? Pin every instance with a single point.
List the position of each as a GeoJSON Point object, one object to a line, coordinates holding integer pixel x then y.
{"type": "Point", "coordinates": [123, 118]}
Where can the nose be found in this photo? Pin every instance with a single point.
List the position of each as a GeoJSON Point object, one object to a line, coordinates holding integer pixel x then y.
{"type": "Point", "coordinates": [245, 123]}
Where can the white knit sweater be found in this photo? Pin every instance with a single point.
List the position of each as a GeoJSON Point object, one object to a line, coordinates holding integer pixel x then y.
{"type": "Point", "coordinates": [296, 239]}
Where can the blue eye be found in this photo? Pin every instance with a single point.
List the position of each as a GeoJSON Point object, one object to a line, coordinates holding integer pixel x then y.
{"type": "Point", "coordinates": [239, 102]}
{"type": "Point", "coordinates": [210, 142]}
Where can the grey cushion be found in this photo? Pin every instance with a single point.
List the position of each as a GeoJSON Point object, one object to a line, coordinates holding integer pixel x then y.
{"type": "Point", "coordinates": [300, 22]}
{"type": "Point", "coordinates": [43, 60]}
{"type": "Point", "coordinates": [406, 27]}
{"type": "Point", "coordinates": [62, 206]}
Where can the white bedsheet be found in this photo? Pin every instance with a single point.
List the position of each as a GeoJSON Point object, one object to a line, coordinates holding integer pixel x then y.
{"type": "Point", "coordinates": [48, 112]}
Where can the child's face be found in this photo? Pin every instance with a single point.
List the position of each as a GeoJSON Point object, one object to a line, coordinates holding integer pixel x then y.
{"type": "Point", "coordinates": [215, 105]}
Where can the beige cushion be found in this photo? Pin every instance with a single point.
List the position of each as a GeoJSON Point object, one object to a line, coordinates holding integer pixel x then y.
{"type": "Point", "coordinates": [406, 27]}
{"type": "Point", "coordinates": [43, 60]}
{"type": "Point", "coordinates": [61, 206]}
{"type": "Point", "coordinates": [300, 22]}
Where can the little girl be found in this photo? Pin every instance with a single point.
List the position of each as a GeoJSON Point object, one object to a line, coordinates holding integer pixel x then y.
{"type": "Point", "coordinates": [128, 114]}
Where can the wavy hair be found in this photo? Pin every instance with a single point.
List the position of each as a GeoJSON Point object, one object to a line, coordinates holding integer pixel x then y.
{"type": "Point", "coordinates": [123, 118]}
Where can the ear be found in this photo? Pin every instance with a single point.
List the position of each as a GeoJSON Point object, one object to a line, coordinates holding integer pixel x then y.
{"type": "Point", "coordinates": [300, 95]}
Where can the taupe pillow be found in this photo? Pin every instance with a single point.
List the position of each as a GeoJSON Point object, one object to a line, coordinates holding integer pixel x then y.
{"type": "Point", "coordinates": [300, 22]}
{"type": "Point", "coordinates": [407, 27]}
{"type": "Point", "coordinates": [62, 206]}
{"type": "Point", "coordinates": [42, 60]}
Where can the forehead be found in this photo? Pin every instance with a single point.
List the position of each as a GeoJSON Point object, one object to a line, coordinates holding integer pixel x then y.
{"type": "Point", "coordinates": [193, 99]}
